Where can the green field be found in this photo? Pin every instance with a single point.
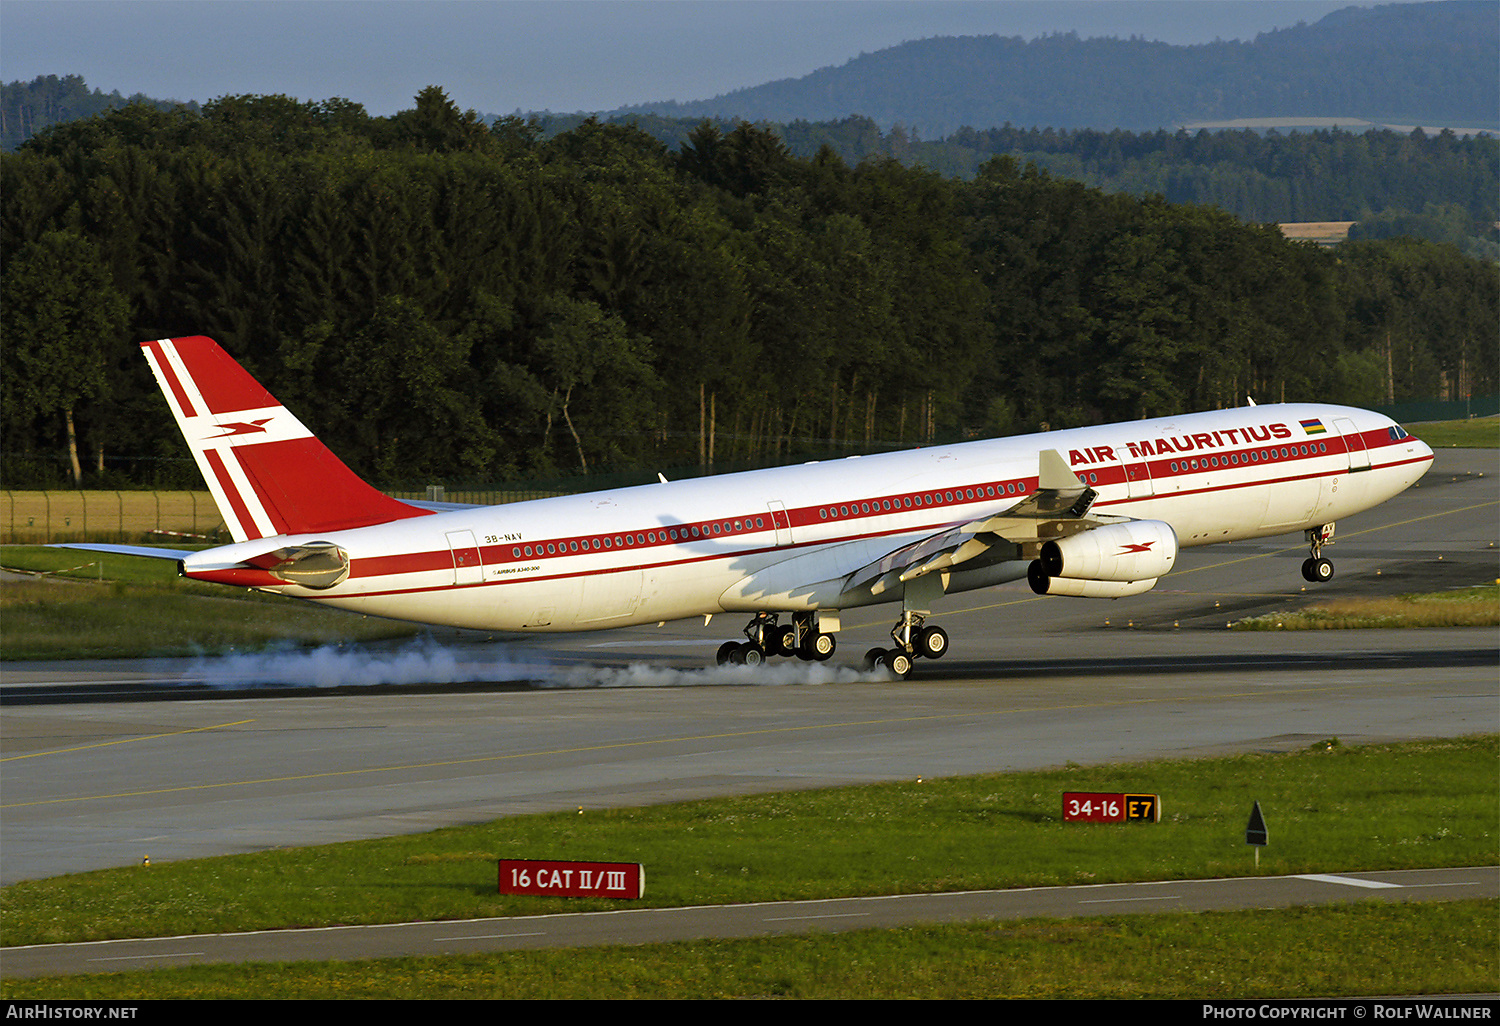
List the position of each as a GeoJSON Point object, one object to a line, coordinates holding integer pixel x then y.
{"type": "Point", "coordinates": [1438, 806]}
{"type": "Point", "coordinates": [1330, 808]}
{"type": "Point", "coordinates": [92, 606]}
{"type": "Point", "coordinates": [1478, 433]}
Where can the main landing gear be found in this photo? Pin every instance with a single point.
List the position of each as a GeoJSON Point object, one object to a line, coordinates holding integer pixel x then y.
{"type": "Point", "coordinates": [1315, 568]}
{"type": "Point", "coordinates": [767, 636]}
{"type": "Point", "coordinates": [912, 639]}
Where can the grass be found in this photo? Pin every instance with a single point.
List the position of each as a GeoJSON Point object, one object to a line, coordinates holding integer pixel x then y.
{"type": "Point", "coordinates": [1367, 948]}
{"type": "Point", "coordinates": [1466, 607]}
{"type": "Point", "coordinates": [1476, 433]}
{"type": "Point", "coordinates": [93, 606]}
{"type": "Point", "coordinates": [1328, 808]}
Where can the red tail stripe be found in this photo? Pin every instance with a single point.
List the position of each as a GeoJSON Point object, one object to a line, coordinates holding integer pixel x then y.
{"type": "Point", "coordinates": [280, 517]}
{"type": "Point", "coordinates": [171, 375]}
{"type": "Point", "coordinates": [231, 492]}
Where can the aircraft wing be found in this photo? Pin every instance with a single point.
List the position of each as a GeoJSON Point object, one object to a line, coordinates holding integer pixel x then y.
{"type": "Point", "coordinates": [1060, 495]}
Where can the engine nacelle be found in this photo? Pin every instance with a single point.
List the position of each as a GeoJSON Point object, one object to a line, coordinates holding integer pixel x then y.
{"type": "Point", "coordinates": [1135, 550]}
{"type": "Point", "coordinates": [1073, 588]}
{"type": "Point", "coordinates": [1112, 561]}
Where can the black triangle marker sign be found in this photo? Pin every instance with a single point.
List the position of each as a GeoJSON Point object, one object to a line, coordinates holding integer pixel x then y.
{"type": "Point", "coordinates": [1255, 830]}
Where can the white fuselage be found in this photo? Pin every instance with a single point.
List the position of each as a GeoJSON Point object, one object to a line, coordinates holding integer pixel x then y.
{"type": "Point", "coordinates": [785, 539]}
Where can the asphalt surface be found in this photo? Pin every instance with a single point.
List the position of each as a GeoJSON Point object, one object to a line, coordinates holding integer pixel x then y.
{"type": "Point", "coordinates": [766, 919]}
{"type": "Point", "coordinates": [102, 764]}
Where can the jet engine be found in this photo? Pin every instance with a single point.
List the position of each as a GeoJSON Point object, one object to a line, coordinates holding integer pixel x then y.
{"type": "Point", "coordinates": [1111, 561]}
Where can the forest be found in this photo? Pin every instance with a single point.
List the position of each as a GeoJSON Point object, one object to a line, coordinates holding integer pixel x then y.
{"type": "Point", "coordinates": [1439, 186]}
{"type": "Point", "coordinates": [447, 301]}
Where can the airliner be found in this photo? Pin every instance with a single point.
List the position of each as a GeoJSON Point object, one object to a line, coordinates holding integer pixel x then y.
{"type": "Point", "coordinates": [1093, 512]}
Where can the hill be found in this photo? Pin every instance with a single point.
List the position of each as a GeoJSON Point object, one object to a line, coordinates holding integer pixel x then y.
{"type": "Point", "coordinates": [1432, 64]}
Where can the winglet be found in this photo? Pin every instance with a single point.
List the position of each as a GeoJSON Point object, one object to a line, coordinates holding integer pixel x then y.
{"type": "Point", "coordinates": [267, 472]}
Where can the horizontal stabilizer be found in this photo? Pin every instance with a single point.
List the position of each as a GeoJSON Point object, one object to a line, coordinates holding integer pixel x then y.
{"type": "Point", "coordinates": [144, 551]}
{"type": "Point", "coordinates": [430, 506]}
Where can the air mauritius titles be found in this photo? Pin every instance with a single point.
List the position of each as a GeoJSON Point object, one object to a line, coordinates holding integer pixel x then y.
{"type": "Point", "coordinates": [1167, 445]}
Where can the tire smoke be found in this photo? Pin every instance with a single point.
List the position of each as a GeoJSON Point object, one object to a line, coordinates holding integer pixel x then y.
{"type": "Point", "coordinates": [426, 661]}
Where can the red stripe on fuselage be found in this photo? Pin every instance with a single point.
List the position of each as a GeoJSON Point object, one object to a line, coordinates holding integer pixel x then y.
{"type": "Point", "coordinates": [510, 553]}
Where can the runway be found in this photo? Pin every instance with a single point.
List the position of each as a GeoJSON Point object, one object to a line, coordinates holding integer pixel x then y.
{"type": "Point", "coordinates": [632, 717]}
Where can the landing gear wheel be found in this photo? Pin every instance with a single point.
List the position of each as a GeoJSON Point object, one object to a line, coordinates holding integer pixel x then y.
{"type": "Point", "coordinates": [899, 663]}
{"type": "Point", "coordinates": [750, 655]}
{"type": "Point", "coordinates": [932, 642]}
{"type": "Point", "coordinates": [1317, 570]}
{"type": "Point", "coordinates": [726, 652]}
{"type": "Point", "coordinates": [875, 657]}
{"type": "Point", "coordinates": [818, 646]}
{"type": "Point", "coordinates": [785, 641]}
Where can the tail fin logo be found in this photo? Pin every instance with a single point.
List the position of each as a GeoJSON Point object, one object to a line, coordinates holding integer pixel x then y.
{"type": "Point", "coordinates": [242, 429]}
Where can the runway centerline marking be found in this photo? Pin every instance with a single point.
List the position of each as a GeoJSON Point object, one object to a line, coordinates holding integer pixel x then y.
{"type": "Point", "coordinates": [826, 915]}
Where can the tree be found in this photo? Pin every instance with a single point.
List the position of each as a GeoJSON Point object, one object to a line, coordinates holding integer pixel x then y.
{"type": "Point", "coordinates": [436, 125]}
{"type": "Point", "coordinates": [590, 359]}
{"type": "Point", "coordinates": [62, 316]}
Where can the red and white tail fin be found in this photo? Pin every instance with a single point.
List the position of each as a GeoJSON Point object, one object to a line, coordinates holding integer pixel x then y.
{"type": "Point", "coordinates": [267, 472]}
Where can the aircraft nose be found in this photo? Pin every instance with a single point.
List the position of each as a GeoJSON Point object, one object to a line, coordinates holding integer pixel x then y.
{"type": "Point", "coordinates": [1422, 450]}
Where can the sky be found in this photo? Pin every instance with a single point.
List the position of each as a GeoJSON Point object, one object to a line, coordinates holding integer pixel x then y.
{"type": "Point", "coordinates": [501, 56]}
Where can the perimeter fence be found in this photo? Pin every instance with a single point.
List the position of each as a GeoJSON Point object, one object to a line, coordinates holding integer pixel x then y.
{"type": "Point", "coordinates": [75, 515]}
{"type": "Point", "coordinates": [1430, 410]}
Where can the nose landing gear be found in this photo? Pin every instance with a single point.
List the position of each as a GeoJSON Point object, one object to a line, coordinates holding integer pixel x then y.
{"type": "Point", "coordinates": [1315, 568]}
